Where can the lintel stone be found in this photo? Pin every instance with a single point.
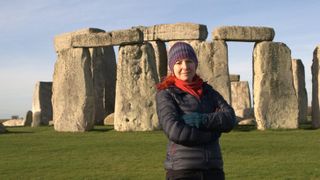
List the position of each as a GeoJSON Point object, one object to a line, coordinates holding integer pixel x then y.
{"type": "Point", "coordinates": [63, 41]}
{"type": "Point", "coordinates": [173, 32]}
{"type": "Point", "coordinates": [243, 33]}
{"type": "Point", "coordinates": [120, 37]}
{"type": "Point", "coordinates": [234, 77]}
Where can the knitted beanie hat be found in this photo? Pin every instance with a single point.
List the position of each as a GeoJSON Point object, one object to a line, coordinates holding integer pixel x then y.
{"type": "Point", "coordinates": [181, 50]}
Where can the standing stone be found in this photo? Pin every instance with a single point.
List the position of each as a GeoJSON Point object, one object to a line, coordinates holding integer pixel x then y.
{"type": "Point", "coordinates": [315, 88]}
{"type": "Point", "coordinates": [300, 88]}
{"type": "Point", "coordinates": [36, 119]}
{"type": "Point", "coordinates": [27, 121]}
{"type": "Point", "coordinates": [103, 67]}
{"type": "Point", "coordinates": [73, 93]}
{"type": "Point", "coordinates": [241, 101]}
{"type": "Point", "coordinates": [160, 57]}
{"type": "Point", "coordinates": [135, 89]}
{"type": "Point", "coordinates": [213, 65]}
{"type": "Point", "coordinates": [275, 101]}
{"type": "Point", "coordinates": [41, 103]}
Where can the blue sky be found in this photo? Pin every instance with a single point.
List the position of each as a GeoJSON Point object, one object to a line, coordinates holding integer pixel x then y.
{"type": "Point", "coordinates": [27, 29]}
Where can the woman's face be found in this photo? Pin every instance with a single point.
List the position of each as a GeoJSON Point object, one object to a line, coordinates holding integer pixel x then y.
{"type": "Point", "coordinates": [184, 69]}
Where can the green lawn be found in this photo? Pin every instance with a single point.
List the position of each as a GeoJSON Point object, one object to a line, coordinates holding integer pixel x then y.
{"type": "Point", "coordinates": [42, 153]}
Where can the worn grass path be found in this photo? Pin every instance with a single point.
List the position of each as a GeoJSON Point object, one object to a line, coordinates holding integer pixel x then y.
{"type": "Point", "coordinates": [42, 153]}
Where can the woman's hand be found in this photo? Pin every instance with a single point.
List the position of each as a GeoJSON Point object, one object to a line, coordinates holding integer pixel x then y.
{"type": "Point", "coordinates": [194, 119]}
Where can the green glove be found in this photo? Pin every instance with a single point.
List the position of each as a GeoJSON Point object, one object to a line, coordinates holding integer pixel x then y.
{"type": "Point", "coordinates": [194, 119]}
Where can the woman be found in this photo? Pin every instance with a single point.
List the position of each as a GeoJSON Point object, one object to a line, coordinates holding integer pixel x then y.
{"type": "Point", "coordinates": [192, 115]}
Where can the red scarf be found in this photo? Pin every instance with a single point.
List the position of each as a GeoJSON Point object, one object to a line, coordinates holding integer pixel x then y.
{"type": "Point", "coordinates": [194, 88]}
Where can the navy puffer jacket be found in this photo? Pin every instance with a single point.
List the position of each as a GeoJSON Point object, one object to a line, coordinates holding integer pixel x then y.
{"type": "Point", "coordinates": [190, 147]}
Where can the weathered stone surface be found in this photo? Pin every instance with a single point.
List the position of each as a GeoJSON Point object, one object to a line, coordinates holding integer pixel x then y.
{"type": "Point", "coordinates": [275, 101]}
{"type": "Point", "coordinates": [72, 91]}
{"type": "Point", "coordinates": [51, 123]}
{"type": "Point", "coordinates": [41, 101]}
{"type": "Point", "coordinates": [315, 88]}
{"type": "Point", "coordinates": [27, 120]}
{"type": "Point", "coordinates": [173, 32]}
{"type": "Point", "coordinates": [64, 41]}
{"type": "Point", "coordinates": [2, 128]}
{"type": "Point", "coordinates": [160, 52]}
{"type": "Point", "coordinates": [103, 68]}
{"type": "Point", "coordinates": [240, 99]}
{"type": "Point", "coordinates": [246, 122]}
{"type": "Point", "coordinates": [109, 120]}
{"type": "Point", "coordinates": [213, 65]}
{"type": "Point", "coordinates": [135, 89]}
{"type": "Point", "coordinates": [234, 77]}
{"type": "Point", "coordinates": [243, 33]}
{"type": "Point", "coordinates": [300, 88]}
{"type": "Point", "coordinates": [242, 114]}
{"type": "Point", "coordinates": [120, 37]}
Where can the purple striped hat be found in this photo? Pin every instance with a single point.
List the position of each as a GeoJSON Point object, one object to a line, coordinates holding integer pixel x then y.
{"type": "Point", "coordinates": [181, 50]}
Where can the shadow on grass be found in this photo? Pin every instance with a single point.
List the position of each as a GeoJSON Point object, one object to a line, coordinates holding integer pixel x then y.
{"type": "Point", "coordinates": [245, 128]}
{"type": "Point", "coordinates": [306, 126]}
{"type": "Point", "coordinates": [102, 128]}
{"type": "Point", "coordinates": [18, 132]}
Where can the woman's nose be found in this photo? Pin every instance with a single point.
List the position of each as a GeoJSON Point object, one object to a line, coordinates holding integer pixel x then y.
{"type": "Point", "coordinates": [185, 65]}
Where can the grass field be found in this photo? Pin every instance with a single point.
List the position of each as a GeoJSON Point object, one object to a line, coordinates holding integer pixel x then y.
{"type": "Point", "coordinates": [42, 153]}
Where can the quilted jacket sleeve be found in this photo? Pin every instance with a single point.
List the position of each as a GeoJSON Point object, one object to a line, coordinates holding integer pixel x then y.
{"type": "Point", "coordinates": [176, 130]}
{"type": "Point", "coordinates": [223, 119]}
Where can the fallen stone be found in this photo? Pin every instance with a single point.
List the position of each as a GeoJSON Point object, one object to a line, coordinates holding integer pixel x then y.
{"type": "Point", "coordinates": [247, 122]}
{"type": "Point", "coordinates": [243, 33]}
{"type": "Point", "coordinates": [13, 122]}
{"type": "Point", "coordinates": [109, 120]}
{"type": "Point", "coordinates": [244, 113]}
{"type": "Point", "coordinates": [51, 123]}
